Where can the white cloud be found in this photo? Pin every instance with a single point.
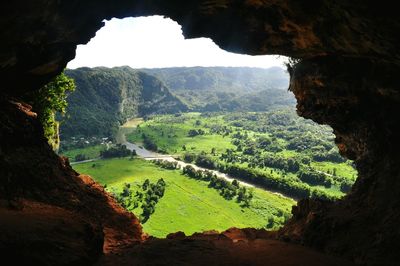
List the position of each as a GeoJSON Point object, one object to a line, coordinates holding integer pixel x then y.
{"type": "Point", "coordinates": [148, 42]}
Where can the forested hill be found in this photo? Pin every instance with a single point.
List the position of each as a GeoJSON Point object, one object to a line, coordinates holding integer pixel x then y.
{"type": "Point", "coordinates": [228, 88]}
{"type": "Point", "coordinates": [105, 97]}
{"type": "Point", "coordinates": [232, 79]}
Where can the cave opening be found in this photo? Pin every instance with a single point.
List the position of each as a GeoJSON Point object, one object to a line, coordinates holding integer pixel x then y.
{"type": "Point", "coordinates": [253, 137]}
{"type": "Point", "coordinates": [347, 78]}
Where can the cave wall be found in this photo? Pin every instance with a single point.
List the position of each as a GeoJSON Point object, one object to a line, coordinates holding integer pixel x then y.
{"type": "Point", "coordinates": [359, 98]}
{"type": "Point", "coordinates": [346, 78]}
{"type": "Point", "coordinates": [39, 37]}
{"type": "Point", "coordinates": [49, 214]}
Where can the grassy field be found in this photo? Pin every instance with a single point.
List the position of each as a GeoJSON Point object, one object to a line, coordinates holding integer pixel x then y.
{"type": "Point", "coordinates": [171, 135]}
{"type": "Point", "coordinates": [342, 169]}
{"type": "Point", "coordinates": [89, 152]}
{"type": "Point", "coordinates": [188, 205]}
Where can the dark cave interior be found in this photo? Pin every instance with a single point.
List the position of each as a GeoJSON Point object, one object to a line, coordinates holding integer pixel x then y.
{"type": "Point", "coordinates": [346, 78]}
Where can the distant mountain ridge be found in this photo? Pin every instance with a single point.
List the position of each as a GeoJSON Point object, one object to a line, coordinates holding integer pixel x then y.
{"type": "Point", "coordinates": [233, 79]}
{"type": "Point", "coordinates": [228, 88]}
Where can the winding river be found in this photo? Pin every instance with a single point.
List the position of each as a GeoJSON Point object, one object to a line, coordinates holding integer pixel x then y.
{"type": "Point", "coordinates": [131, 125]}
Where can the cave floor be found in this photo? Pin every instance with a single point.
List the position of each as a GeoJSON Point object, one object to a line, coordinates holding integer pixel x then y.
{"type": "Point", "coordinates": [218, 250]}
{"type": "Point", "coordinates": [48, 234]}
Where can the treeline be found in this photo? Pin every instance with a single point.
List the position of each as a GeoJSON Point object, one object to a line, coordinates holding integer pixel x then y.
{"type": "Point", "coordinates": [117, 151]}
{"type": "Point", "coordinates": [195, 132]}
{"type": "Point", "coordinates": [152, 193]}
{"type": "Point", "coordinates": [298, 134]}
{"type": "Point", "coordinates": [315, 178]}
{"type": "Point", "coordinates": [147, 196]}
{"type": "Point", "coordinates": [169, 165]}
{"type": "Point", "coordinates": [293, 187]}
{"type": "Point", "coordinates": [276, 149]}
{"type": "Point", "coordinates": [228, 190]}
{"type": "Point", "coordinates": [288, 186]}
{"type": "Point", "coordinates": [124, 198]}
{"type": "Point", "coordinates": [148, 143]}
{"type": "Point", "coordinates": [286, 164]}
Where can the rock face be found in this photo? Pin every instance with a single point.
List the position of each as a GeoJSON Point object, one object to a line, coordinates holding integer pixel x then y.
{"type": "Point", "coordinates": [39, 38]}
{"type": "Point", "coordinates": [49, 203]}
{"type": "Point", "coordinates": [360, 99]}
{"type": "Point", "coordinates": [232, 247]}
{"type": "Point", "coordinates": [43, 234]}
{"type": "Point", "coordinates": [346, 78]}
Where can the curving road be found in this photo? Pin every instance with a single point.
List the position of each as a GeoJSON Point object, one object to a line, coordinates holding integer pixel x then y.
{"type": "Point", "coordinates": [150, 155]}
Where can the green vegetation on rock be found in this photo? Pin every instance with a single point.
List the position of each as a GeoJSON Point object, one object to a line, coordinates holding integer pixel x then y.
{"type": "Point", "coordinates": [50, 99]}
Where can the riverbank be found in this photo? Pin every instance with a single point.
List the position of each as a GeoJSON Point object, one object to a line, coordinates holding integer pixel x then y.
{"type": "Point", "coordinates": [131, 125]}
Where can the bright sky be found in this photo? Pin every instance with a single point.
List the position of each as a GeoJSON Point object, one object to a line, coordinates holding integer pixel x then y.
{"type": "Point", "coordinates": [150, 42]}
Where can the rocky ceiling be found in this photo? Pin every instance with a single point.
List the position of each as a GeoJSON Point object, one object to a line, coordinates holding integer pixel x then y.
{"type": "Point", "coordinates": [347, 78]}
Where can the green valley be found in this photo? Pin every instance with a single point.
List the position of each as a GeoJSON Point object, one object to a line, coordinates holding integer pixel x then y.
{"type": "Point", "coordinates": [105, 98]}
{"type": "Point", "coordinates": [236, 153]}
{"type": "Point", "coordinates": [188, 205]}
{"type": "Point", "coordinates": [276, 150]}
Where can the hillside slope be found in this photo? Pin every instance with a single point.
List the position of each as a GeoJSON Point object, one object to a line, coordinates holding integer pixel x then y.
{"type": "Point", "coordinates": [228, 88]}
{"type": "Point", "coordinates": [105, 97]}
{"type": "Point", "coordinates": [233, 79]}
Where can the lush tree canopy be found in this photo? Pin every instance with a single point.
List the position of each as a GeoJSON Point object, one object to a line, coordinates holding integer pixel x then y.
{"type": "Point", "coordinates": [50, 99]}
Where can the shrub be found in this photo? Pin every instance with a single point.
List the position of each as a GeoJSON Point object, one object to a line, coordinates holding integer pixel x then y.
{"type": "Point", "coordinates": [117, 151]}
